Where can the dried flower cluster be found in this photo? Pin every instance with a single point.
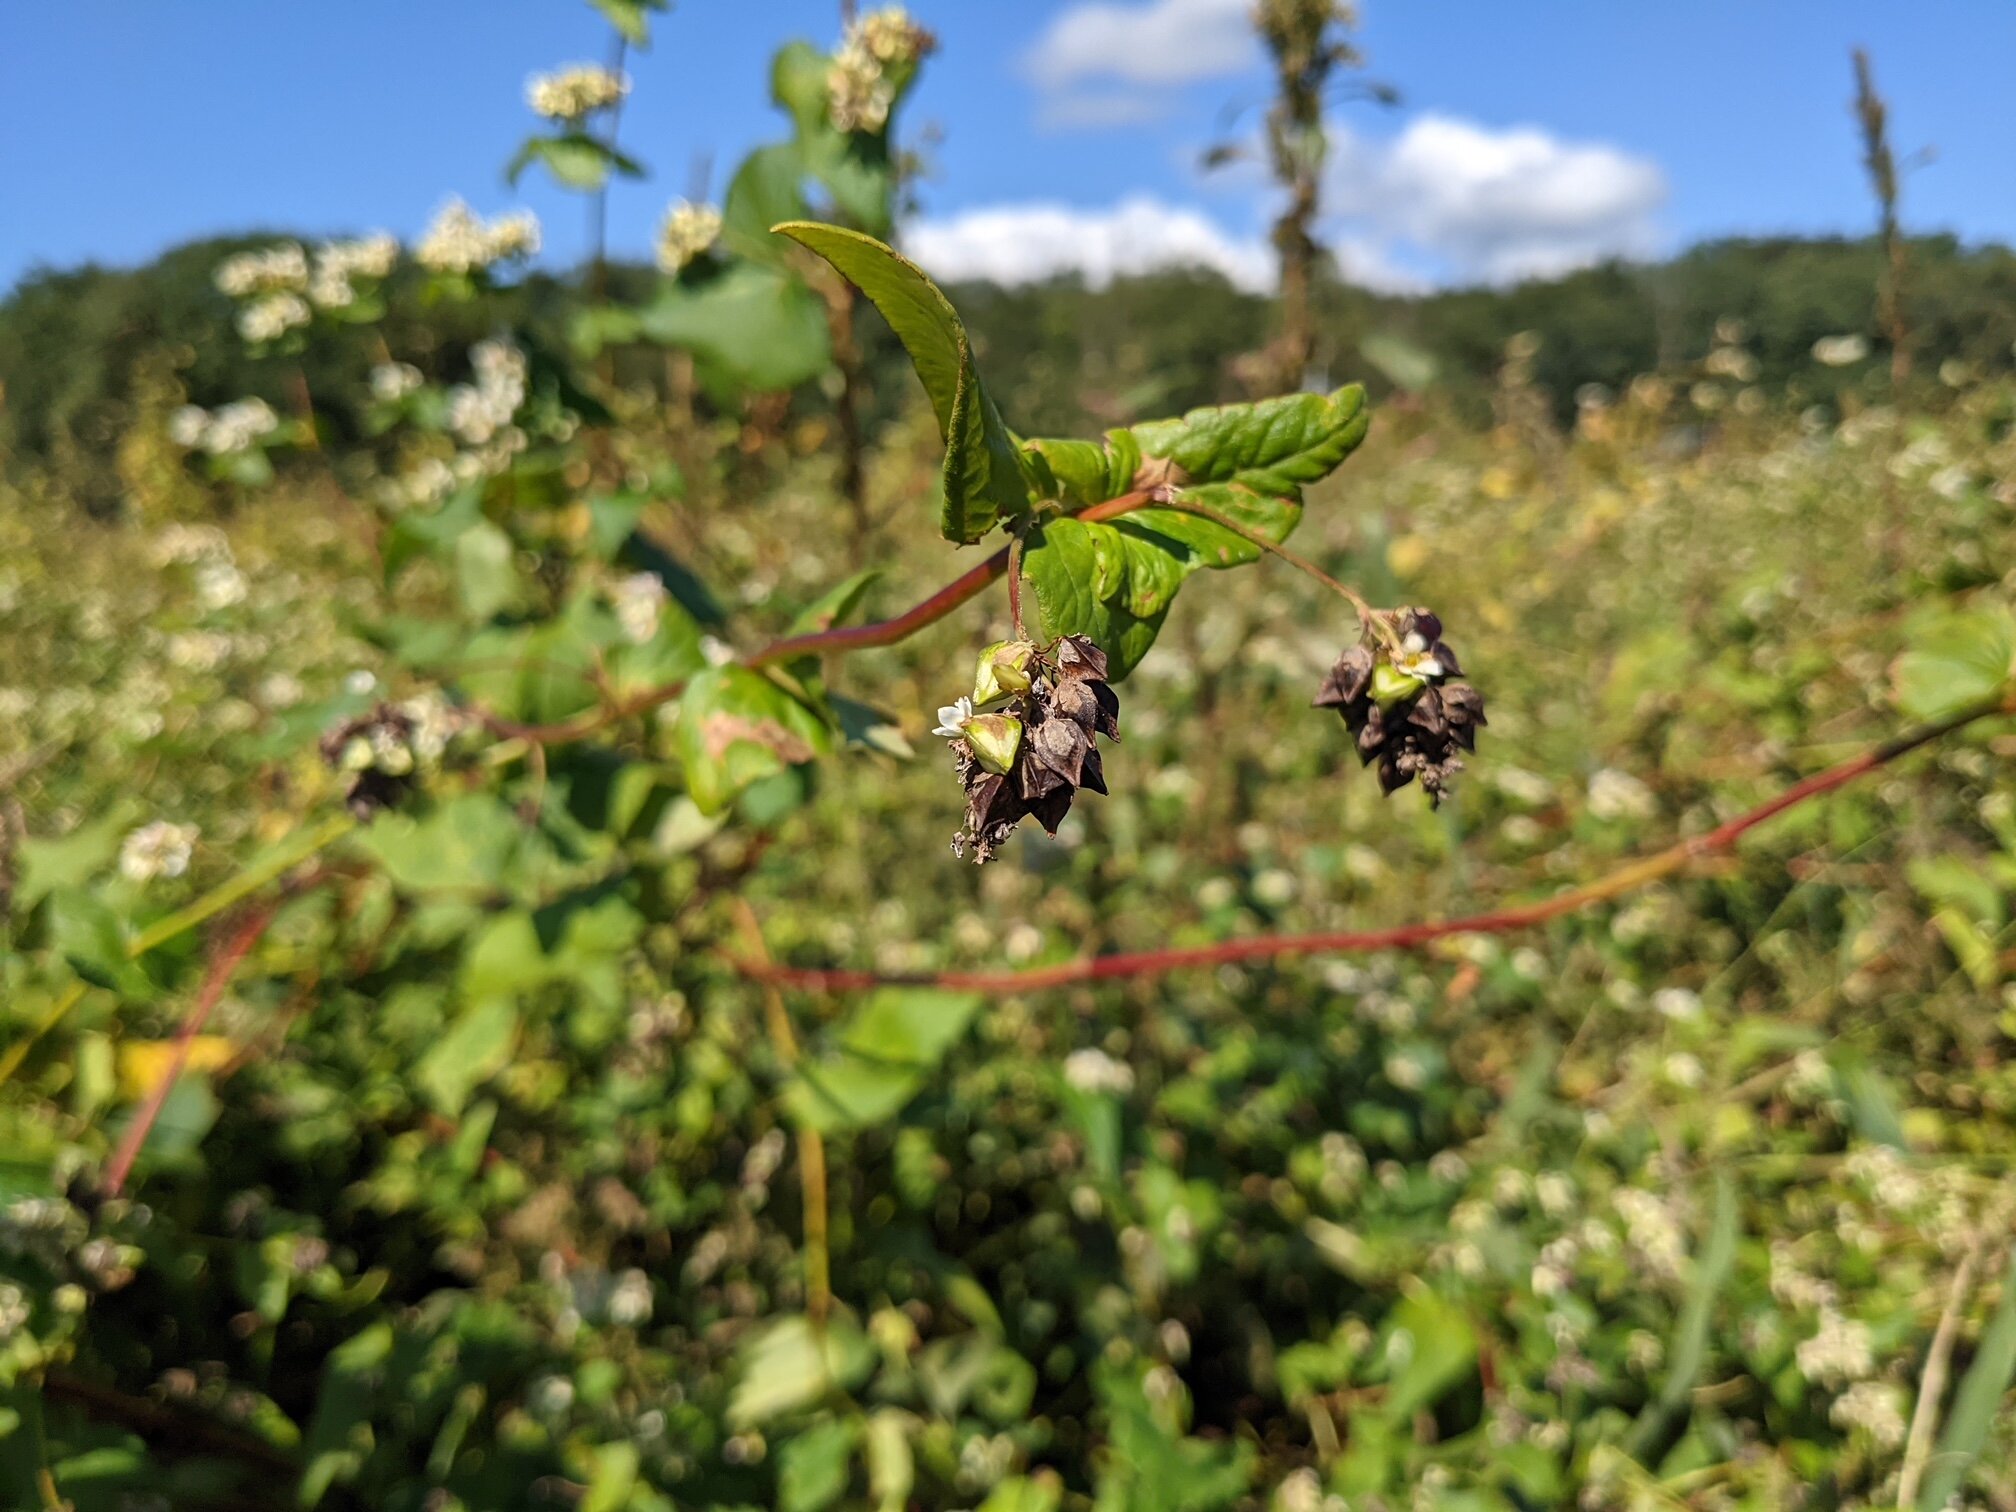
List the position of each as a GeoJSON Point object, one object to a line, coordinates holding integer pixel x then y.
{"type": "Point", "coordinates": [460, 241]}
{"type": "Point", "coordinates": [860, 88]}
{"type": "Point", "coordinates": [1402, 701]}
{"type": "Point", "coordinates": [382, 751]}
{"type": "Point", "coordinates": [571, 95]}
{"type": "Point", "coordinates": [686, 231]}
{"type": "Point", "coordinates": [1024, 742]}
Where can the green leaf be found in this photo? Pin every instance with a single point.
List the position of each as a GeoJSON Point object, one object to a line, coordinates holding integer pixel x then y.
{"type": "Point", "coordinates": [1689, 1349]}
{"type": "Point", "coordinates": [1273, 446]}
{"type": "Point", "coordinates": [95, 942]}
{"type": "Point", "coordinates": [790, 1364]}
{"type": "Point", "coordinates": [475, 1048]}
{"type": "Point", "coordinates": [881, 1058]}
{"type": "Point", "coordinates": [1975, 1404]}
{"type": "Point", "coordinates": [812, 1466]}
{"type": "Point", "coordinates": [1021, 1493]}
{"type": "Point", "coordinates": [892, 1469]}
{"type": "Point", "coordinates": [1958, 660]}
{"type": "Point", "coordinates": [630, 17]}
{"type": "Point", "coordinates": [339, 1436]}
{"type": "Point", "coordinates": [983, 473]}
{"type": "Point", "coordinates": [798, 83]}
{"type": "Point", "coordinates": [574, 158]}
{"type": "Point", "coordinates": [736, 727]}
{"type": "Point", "coordinates": [484, 571]}
{"type": "Point", "coordinates": [73, 859]}
{"type": "Point", "coordinates": [1442, 1351]}
{"type": "Point", "coordinates": [766, 189]}
{"type": "Point", "coordinates": [614, 1478]}
{"type": "Point", "coordinates": [752, 328]}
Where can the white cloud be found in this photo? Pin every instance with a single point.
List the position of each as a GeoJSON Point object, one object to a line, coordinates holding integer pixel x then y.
{"type": "Point", "coordinates": [1097, 110]}
{"type": "Point", "coordinates": [1495, 205]}
{"type": "Point", "coordinates": [1017, 244]}
{"type": "Point", "coordinates": [1147, 42]}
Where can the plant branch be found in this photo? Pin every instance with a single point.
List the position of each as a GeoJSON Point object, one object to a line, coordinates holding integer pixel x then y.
{"type": "Point", "coordinates": [235, 949]}
{"type": "Point", "coordinates": [1298, 562]}
{"type": "Point", "coordinates": [1624, 879]}
{"type": "Point", "coordinates": [1932, 1382]}
{"type": "Point", "coordinates": [839, 641]}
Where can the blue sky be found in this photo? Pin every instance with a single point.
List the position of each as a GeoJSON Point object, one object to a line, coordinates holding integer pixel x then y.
{"type": "Point", "coordinates": [1066, 131]}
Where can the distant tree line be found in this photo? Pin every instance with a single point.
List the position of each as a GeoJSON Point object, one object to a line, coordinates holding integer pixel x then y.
{"type": "Point", "coordinates": [80, 348]}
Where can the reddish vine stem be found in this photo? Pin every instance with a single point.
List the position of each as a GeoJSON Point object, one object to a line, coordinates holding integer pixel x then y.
{"type": "Point", "coordinates": [849, 638]}
{"type": "Point", "coordinates": [226, 961]}
{"type": "Point", "coordinates": [1015, 586]}
{"type": "Point", "coordinates": [1627, 878]}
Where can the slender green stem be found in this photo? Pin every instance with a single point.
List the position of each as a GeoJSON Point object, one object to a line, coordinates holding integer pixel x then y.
{"type": "Point", "coordinates": [1298, 562]}
{"type": "Point", "coordinates": [284, 859]}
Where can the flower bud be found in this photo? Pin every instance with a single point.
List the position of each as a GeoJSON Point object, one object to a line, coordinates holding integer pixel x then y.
{"type": "Point", "coordinates": [994, 738]}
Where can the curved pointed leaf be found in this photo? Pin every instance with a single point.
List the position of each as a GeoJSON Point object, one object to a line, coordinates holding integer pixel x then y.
{"type": "Point", "coordinates": [984, 479]}
{"type": "Point", "coordinates": [1273, 446]}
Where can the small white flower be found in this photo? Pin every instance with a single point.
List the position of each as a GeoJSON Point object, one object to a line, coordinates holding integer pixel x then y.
{"type": "Point", "coordinates": [686, 232]}
{"type": "Point", "coordinates": [1093, 1070]}
{"type": "Point", "coordinates": [952, 719]}
{"type": "Point", "coordinates": [574, 93]}
{"type": "Point", "coordinates": [155, 850]}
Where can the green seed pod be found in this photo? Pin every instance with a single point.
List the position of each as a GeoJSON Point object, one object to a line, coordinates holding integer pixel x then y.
{"type": "Point", "coordinates": [1390, 684]}
{"type": "Point", "coordinates": [1003, 671]}
{"type": "Point", "coordinates": [994, 739]}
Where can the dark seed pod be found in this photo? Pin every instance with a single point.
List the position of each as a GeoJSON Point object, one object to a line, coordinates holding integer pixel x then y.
{"type": "Point", "coordinates": [376, 750]}
{"type": "Point", "coordinates": [1033, 756]}
{"type": "Point", "coordinates": [1405, 709]}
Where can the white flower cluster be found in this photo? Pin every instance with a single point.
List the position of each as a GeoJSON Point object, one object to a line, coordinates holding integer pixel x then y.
{"type": "Point", "coordinates": [1839, 1352]}
{"type": "Point", "coordinates": [1093, 1070]}
{"type": "Point", "coordinates": [155, 850]}
{"type": "Point", "coordinates": [1841, 351]}
{"type": "Point", "coordinates": [279, 268]}
{"type": "Point", "coordinates": [229, 428]}
{"type": "Point", "coordinates": [178, 545]}
{"type": "Point", "coordinates": [338, 263]}
{"type": "Point", "coordinates": [393, 381]}
{"type": "Point", "coordinates": [1619, 795]}
{"type": "Point", "coordinates": [478, 411]}
{"type": "Point", "coordinates": [572, 94]}
{"type": "Point", "coordinates": [461, 241]}
{"type": "Point", "coordinates": [639, 600]}
{"type": "Point", "coordinates": [282, 287]}
{"type": "Point", "coordinates": [859, 92]}
{"type": "Point", "coordinates": [686, 232]}
{"type": "Point", "coordinates": [1872, 1407]}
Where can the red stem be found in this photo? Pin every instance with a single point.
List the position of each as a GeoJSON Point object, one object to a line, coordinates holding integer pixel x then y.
{"type": "Point", "coordinates": [853, 638]}
{"type": "Point", "coordinates": [1626, 878]}
{"type": "Point", "coordinates": [222, 965]}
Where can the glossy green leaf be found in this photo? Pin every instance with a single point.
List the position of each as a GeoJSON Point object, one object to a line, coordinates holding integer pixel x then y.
{"type": "Point", "coordinates": [575, 159]}
{"type": "Point", "coordinates": [1273, 446]}
{"type": "Point", "coordinates": [752, 327]}
{"type": "Point", "coordinates": [983, 477]}
{"type": "Point", "coordinates": [766, 189]}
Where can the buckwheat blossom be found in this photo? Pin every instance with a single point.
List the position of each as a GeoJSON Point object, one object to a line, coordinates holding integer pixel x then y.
{"type": "Point", "coordinates": [1619, 795]}
{"type": "Point", "coordinates": [478, 412]}
{"type": "Point", "coordinates": [272, 316]}
{"type": "Point", "coordinates": [1093, 1070]}
{"type": "Point", "coordinates": [220, 585]}
{"type": "Point", "coordinates": [686, 231]}
{"type": "Point", "coordinates": [160, 849]}
{"type": "Point", "coordinates": [639, 601]}
{"type": "Point", "coordinates": [1839, 1352]}
{"type": "Point", "coordinates": [460, 241]}
{"type": "Point", "coordinates": [1875, 1408]}
{"type": "Point", "coordinates": [235, 426]}
{"type": "Point", "coordinates": [953, 718]}
{"type": "Point", "coordinates": [393, 381]}
{"type": "Point", "coordinates": [337, 263]}
{"type": "Point", "coordinates": [1840, 351]}
{"type": "Point", "coordinates": [283, 267]}
{"type": "Point", "coordinates": [570, 95]}
{"type": "Point", "coordinates": [859, 94]}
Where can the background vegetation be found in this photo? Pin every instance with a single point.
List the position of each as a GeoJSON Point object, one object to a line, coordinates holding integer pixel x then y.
{"type": "Point", "coordinates": [459, 1157]}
